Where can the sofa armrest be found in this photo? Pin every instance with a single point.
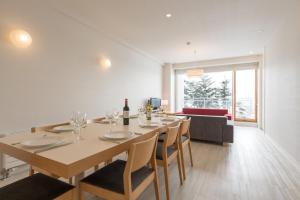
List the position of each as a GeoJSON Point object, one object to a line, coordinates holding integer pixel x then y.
{"type": "Point", "coordinates": [229, 116]}
{"type": "Point", "coordinates": [228, 130]}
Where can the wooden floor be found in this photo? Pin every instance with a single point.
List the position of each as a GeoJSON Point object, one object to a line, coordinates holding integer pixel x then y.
{"type": "Point", "coordinates": [251, 168]}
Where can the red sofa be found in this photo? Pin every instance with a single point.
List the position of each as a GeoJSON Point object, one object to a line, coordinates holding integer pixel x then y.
{"type": "Point", "coordinates": [206, 111]}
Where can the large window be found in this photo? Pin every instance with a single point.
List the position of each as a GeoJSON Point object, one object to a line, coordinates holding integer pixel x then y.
{"type": "Point", "coordinates": [233, 88]}
{"type": "Point", "coordinates": [211, 90]}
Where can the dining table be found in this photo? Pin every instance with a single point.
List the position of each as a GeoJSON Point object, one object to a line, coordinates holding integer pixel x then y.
{"type": "Point", "coordinates": [78, 156]}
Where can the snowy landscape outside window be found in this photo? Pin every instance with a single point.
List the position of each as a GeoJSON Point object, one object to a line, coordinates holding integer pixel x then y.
{"type": "Point", "coordinates": [211, 90]}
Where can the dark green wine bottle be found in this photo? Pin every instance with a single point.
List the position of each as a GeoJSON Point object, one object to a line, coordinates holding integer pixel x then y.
{"type": "Point", "coordinates": [126, 113]}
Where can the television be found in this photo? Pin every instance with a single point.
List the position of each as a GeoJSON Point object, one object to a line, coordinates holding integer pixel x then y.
{"type": "Point", "coordinates": [155, 102]}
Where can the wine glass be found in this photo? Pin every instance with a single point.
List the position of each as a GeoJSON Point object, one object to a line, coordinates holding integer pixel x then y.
{"type": "Point", "coordinates": [116, 115]}
{"type": "Point", "coordinates": [78, 120]}
{"type": "Point", "coordinates": [141, 110]}
{"type": "Point", "coordinates": [109, 116]}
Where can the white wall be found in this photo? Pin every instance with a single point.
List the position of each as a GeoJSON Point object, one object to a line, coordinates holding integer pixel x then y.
{"type": "Point", "coordinates": [282, 79]}
{"type": "Point", "coordinates": [59, 73]}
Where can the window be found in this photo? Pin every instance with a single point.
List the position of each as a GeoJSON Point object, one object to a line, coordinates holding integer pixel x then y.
{"type": "Point", "coordinates": [211, 90]}
{"type": "Point", "coordinates": [233, 88]}
{"type": "Point", "coordinates": [245, 95]}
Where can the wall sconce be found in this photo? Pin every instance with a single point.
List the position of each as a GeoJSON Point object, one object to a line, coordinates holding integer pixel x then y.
{"type": "Point", "coordinates": [105, 63]}
{"type": "Point", "coordinates": [20, 38]}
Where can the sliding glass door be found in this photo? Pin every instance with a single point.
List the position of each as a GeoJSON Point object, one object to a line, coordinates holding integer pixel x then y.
{"type": "Point", "coordinates": [245, 98]}
{"type": "Point", "coordinates": [232, 87]}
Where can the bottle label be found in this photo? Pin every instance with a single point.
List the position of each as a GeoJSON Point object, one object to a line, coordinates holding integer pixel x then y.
{"type": "Point", "coordinates": [125, 114]}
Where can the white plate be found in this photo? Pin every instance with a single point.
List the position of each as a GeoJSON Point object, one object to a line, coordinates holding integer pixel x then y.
{"type": "Point", "coordinates": [40, 142]}
{"type": "Point", "coordinates": [118, 135]}
{"type": "Point", "coordinates": [65, 128]}
{"type": "Point", "coordinates": [149, 124]}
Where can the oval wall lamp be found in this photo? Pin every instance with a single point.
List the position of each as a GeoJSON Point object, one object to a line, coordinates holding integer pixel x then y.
{"type": "Point", "coordinates": [20, 38]}
{"type": "Point", "coordinates": [105, 63]}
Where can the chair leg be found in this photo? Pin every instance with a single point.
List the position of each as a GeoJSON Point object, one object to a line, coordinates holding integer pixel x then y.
{"type": "Point", "coordinates": [190, 150]}
{"type": "Point", "coordinates": [179, 163]}
{"type": "Point", "coordinates": [182, 160]}
{"type": "Point", "coordinates": [156, 184]}
{"type": "Point", "coordinates": [81, 195]}
{"type": "Point", "coordinates": [31, 171]}
{"type": "Point", "coordinates": [166, 174]}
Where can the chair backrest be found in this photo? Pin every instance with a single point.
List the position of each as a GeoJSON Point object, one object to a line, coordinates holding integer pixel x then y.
{"type": "Point", "coordinates": [140, 153]}
{"type": "Point", "coordinates": [171, 135]}
{"type": "Point", "coordinates": [185, 126]}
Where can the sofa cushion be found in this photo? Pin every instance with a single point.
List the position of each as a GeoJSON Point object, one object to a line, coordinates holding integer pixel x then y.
{"type": "Point", "coordinates": [205, 111]}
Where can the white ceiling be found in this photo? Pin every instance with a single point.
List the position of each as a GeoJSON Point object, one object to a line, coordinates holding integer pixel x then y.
{"type": "Point", "coordinates": [215, 28]}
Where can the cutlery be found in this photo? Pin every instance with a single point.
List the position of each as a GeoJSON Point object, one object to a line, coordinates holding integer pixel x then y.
{"type": "Point", "coordinates": [59, 144]}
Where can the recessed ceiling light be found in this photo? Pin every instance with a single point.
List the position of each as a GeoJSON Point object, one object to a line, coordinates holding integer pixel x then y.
{"type": "Point", "coordinates": [169, 15]}
{"type": "Point", "coordinates": [251, 52]}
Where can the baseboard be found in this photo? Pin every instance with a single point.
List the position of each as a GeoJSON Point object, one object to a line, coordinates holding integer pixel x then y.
{"type": "Point", "coordinates": [284, 153]}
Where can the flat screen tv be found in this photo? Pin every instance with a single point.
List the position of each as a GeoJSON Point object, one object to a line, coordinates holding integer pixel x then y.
{"type": "Point", "coordinates": [155, 102]}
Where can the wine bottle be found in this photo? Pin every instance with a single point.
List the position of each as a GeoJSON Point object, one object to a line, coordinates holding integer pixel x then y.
{"type": "Point", "coordinates": [148, 110]}
{"type": "Point", "coordinates": [126, 113]}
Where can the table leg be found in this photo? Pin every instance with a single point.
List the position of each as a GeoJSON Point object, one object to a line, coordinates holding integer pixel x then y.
{"type": "Point", "coordinates": [76, 182]}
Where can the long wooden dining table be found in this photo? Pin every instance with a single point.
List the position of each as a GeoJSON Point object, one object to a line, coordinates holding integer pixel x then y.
{"type": "Point", "coordinates": [74, 159]}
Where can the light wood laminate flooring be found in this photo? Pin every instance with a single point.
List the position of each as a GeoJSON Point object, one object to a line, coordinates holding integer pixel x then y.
{"type": "Point", "coordinates": [251, 168]}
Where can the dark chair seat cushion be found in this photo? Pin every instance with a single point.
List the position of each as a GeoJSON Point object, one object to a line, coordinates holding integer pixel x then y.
{"type": "Point", "coordinates": [162, 136]}
{"type": "Point", "coordinates": [35, 187]}
{"type": "Point", "coordinates": [159, 151]}
{"type": "Point", "coordinates": [110, 177]}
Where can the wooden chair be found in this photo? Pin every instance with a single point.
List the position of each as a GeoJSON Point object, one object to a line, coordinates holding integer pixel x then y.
{"type": "Point", "coordinates": [126, 180]}
{"type": "Point", "coordinates": [166, 152]}
{"type": "Point", "coordinates": [184, 140]}
{"type": "Point", "coordinates": [37, 186]}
